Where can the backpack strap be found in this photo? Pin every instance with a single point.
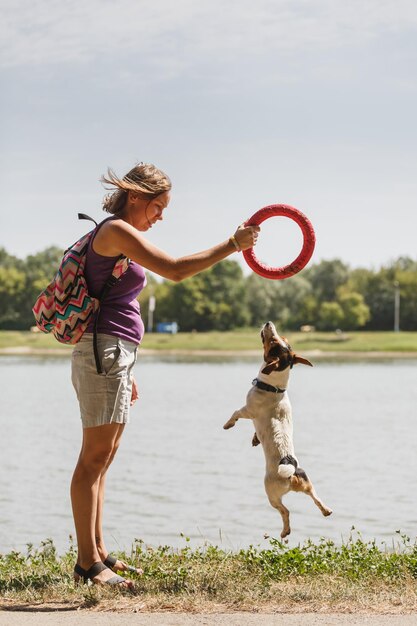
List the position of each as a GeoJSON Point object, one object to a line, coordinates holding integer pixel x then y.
{"type": "Point", "coordinates": [107, 286]}
{"type": "Point", "coordinates": [118, 270]}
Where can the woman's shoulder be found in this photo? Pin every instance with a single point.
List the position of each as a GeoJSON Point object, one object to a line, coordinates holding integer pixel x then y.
{"type": "Point", "coordinates": [115, 224]}
{"type": "Point", "coordinates": [111, 236]}
{"type": "Point", "coordinates": [103, 242]}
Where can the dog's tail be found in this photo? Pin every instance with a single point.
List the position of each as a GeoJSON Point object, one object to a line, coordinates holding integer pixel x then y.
{"type": "Point", "coordinates": [287, 466]}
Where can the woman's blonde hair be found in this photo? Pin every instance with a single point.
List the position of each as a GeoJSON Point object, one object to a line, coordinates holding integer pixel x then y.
{"type": "Point", "coordinates": [143, 178]}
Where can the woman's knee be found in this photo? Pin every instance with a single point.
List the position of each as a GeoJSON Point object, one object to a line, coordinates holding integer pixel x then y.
{"type": "Point", "coordinates": [113, 452]}
{"type": "Point", "coordinates": [99, 448]}
{"type": "Point", "coordinates": [115, 448]}
{"type": "Point", "coordinates": [95, 461]}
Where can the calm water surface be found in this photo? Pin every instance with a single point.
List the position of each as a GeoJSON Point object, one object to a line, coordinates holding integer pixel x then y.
{"type": "Point", "coordinates": [178, 471]}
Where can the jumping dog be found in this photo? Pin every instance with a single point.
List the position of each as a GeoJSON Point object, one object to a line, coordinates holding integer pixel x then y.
{"type": "Point", "coordinates": [268, 405]}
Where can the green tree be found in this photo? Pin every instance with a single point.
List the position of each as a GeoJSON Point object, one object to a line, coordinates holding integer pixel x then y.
{"type": "Point", "coordinates": [183, 303]}
{"type": "Point", "coordinates": [327, 295]}
{"type": "Point", "coordinates": [292, 302]}
{"type": "Point", "coordinates": [379, 296]}
{"type": "Point", "coordinates": [407, 281]}
{"type": "Point", "coordinates": [8, 260]}
{"type": "Point", "coordinates": [12, 284]}
{"type": "Point", "coordinates": [12, 289]}
{"type": "Point", "coordinates": [289, 303]}
{"type": "Point", "coordinates": [330, 316]}
{"type": "Point", "coordinates": [405, 264]}
{"type": "Point", "coordinates": [355, 312]}
{"type": "Point", "coordinates": [40, 270]}
{"type": "Point", "coordinates": [224, 286]}
{"type": "Point", "coordinates": [214, 299]}
{"type": "Point", "coordinates": [261, 297]}
{"type": "Point", "coordinates": [326, 277]}
{"type": "Point", "coordinates": [151, 289]}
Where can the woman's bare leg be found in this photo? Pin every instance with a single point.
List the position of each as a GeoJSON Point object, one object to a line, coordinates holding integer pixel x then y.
{"type": "Point", "coordinates": [98, 449]}
{"type": "Point", "coordinates": [102, 550]}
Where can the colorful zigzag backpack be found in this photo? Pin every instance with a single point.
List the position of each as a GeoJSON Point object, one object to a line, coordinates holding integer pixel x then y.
{"type": "Point", "coordinates": [65, 307]}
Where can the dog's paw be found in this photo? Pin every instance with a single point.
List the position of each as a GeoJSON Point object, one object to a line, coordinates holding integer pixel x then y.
{"type": "Point", "coordinates": [327, 512]}
{"type": "Point", "coordinates": [229, 424]}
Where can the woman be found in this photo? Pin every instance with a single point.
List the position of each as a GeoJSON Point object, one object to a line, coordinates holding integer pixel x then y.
{"type": "Point", "coordinates": [136, 204]}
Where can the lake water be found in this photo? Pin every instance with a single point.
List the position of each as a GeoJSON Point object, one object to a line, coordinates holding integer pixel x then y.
{"type": "Point", "coordinates": [178, 471]}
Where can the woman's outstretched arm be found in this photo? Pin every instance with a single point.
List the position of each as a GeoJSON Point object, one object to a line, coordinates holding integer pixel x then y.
{"type": "Point", "coordinates": [118, 237]}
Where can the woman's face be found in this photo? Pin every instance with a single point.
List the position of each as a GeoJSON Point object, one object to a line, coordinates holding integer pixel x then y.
{"type": "Point", "coordinates": [149, 212]}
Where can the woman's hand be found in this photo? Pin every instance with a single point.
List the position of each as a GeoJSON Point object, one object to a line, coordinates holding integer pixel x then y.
{"type": "Point", "coordinates": [246, 236]}
{"type": "Point", "coordinates": [135, 392]}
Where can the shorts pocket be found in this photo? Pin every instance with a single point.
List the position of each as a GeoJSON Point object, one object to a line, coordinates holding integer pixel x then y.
{"type": "Point", "coordinates": [110, 356]}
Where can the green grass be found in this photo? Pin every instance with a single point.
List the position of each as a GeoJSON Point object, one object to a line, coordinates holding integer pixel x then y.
{"type": "Point", "coordinates": [26, 339]}
{"type": "Point", "coordinates": [249, 339]}
{"type": "Point", "coordinates": [313, 576]}
{"type": "Point", "coordinates": [246, 339]}
{"type": "Point", "coordinates": [358, 341]}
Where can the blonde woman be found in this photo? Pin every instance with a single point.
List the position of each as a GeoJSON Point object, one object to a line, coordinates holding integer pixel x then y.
{"type": "Point", "coordinates": [136, 204]}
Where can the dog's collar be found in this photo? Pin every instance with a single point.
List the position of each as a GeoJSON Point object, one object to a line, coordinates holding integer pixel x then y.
{"type": "Point", "coordinates": [266, 387]}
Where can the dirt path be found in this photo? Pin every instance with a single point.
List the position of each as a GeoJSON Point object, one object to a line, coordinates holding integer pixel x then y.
{"type": "Point", "coordinates": [87, 618]}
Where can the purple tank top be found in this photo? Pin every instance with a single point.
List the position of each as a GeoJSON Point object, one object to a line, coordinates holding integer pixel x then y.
{"type": "Point", "coordinates": [120, 311]}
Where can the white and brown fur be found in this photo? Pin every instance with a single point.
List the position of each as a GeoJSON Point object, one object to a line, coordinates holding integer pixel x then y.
{"type": "Point", "coordinates": [272, 418]}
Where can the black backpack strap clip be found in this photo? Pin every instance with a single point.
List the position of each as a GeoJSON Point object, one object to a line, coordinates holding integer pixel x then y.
{"type": "Point", "coordinates": [84, 216]}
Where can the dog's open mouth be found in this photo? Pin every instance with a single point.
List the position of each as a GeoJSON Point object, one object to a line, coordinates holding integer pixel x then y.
{"type": "Point", "coordinates": [276, 348]}
{"type": "Point", "coordinates": [278, 354]}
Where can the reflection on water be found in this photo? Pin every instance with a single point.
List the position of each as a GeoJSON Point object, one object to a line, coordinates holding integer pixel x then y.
{"type": "Point", "coordinates": [178, 471]}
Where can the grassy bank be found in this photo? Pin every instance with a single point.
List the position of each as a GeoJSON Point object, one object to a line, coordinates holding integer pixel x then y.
{"type": "Point", "coordinates": [239, 340]}
{"type": "Point", "coordinates": [355, 576]}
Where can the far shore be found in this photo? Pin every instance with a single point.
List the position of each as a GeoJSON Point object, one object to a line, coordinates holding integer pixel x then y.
{"type": "Point", "coordinates": [239, 343]}
{"type": "Point", "coordinates": [313, 354]}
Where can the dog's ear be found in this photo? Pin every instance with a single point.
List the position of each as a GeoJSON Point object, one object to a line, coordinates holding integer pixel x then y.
{"type": "Point", "coordinates": [300, 359]}
{"type": "Point", "coordinates": [273, 365]}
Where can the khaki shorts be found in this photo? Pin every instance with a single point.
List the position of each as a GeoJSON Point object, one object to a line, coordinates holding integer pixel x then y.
{"type": "Point", "coordinates": [103, 398]}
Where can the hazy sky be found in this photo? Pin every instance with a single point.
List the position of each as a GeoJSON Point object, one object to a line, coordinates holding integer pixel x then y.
{"type": "Point", "coordinates": [243, 103]}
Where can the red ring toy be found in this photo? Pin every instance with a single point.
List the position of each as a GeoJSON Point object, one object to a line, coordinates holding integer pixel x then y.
{"type": "Point", "coordinates": [278, 273]}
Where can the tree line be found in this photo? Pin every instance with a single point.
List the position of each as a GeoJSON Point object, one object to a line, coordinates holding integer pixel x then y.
{"type": "Point", "coordinates": [327, 295]}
